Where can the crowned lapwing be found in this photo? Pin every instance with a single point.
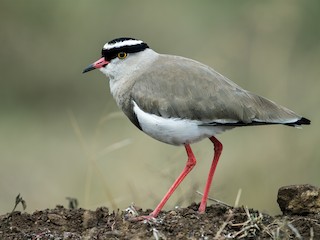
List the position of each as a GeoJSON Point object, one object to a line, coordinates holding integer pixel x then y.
{"type": "Point", "coordinates": [179, 101]}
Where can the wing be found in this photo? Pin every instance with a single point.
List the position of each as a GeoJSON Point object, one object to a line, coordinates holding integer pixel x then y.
{"type": "Point", "coordinates": [177, 87]}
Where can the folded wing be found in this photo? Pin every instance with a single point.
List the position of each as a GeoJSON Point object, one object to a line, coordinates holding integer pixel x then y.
{"type": "Point", "coordinates": [187, 89]}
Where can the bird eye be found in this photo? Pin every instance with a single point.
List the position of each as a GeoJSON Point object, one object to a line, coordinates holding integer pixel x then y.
{"type": "Point", "coordinates": [122, 55]}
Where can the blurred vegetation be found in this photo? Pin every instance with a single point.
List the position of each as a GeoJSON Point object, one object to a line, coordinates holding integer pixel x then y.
{"type": "Point", "coordinates": [60, 131]}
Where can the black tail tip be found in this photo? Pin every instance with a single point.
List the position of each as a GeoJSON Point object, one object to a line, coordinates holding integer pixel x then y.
{"type": "Point", "coordinates": [303, 121]}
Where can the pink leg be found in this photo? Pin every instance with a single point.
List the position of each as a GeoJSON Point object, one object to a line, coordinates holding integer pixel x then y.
{"type": "Point", "coordinates": [217, 152]}
{"type": "Point", "coordinates": [189, 165]}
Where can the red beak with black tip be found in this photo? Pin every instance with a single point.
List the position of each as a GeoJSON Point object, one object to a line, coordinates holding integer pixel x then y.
{"type": "Point", "coordinates": [98, 64]}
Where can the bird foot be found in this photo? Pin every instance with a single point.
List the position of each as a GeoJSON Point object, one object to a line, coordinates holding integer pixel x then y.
{"type": "Point", "coordinates": [148, 218]}
{"type": "Point", "coordinates": [131, 214]}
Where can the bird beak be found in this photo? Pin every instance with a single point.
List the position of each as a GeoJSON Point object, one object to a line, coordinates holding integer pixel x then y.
{"type": "Point", "coordinates": [98, 64]}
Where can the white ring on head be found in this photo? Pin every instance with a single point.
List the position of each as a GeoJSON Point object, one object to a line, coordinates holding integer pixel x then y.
{"type": "Point", "coordinates": [130, 42]}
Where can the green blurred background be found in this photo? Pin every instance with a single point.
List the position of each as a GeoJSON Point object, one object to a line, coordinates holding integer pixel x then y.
{"type": "Point", "coordinates": [61, 134]}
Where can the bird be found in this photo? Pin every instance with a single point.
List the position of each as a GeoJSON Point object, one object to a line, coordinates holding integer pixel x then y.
{"type": "Point", "coordinates": [179, 101]}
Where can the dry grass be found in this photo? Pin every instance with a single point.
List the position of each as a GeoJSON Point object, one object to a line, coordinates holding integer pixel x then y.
{"type": "Point", "coordinates": [92, 157]}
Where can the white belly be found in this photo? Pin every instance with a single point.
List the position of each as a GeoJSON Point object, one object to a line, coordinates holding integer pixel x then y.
{"type": "Point", "coordinates": [175, 131]}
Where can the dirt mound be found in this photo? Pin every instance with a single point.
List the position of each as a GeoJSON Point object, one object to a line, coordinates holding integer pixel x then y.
{"type": "Point", "coordinates": [219, 222]}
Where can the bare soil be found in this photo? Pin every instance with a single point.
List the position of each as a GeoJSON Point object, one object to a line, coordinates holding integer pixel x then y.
{"type": "Point", "coordinates": [219, 222]}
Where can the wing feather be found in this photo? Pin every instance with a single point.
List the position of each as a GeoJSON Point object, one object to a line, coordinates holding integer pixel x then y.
{"type": "Point", "coordinates": [176, 87]}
